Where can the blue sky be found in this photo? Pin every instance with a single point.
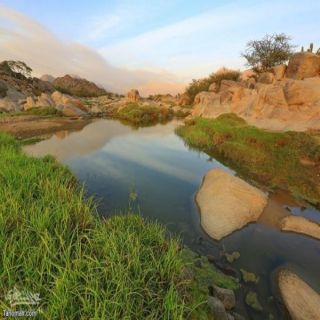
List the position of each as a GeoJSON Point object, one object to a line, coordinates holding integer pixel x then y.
{"type": "Point", "coordinates": [178, 39]}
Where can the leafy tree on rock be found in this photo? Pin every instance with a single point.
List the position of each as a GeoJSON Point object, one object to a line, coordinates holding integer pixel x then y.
{"type": "Point", "coordinates": [268, 52]}
{"type": "Point", "coordinates": [19, 67]}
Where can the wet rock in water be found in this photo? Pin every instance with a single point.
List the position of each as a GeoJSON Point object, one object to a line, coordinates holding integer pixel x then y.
{"type": "Point", "coordinates": [300, 225]}
{"type": "Point", "coordinates": [217, 308]}
{"type": "Point", "coordinates": [226, 269]}
{"type": "Point", "coordinates": [226, 296]}
{"type": "Point", "coordinates": [252, 301]}
{"type": "Point", "coordinates": [231, 257]}
{"type": "Point", "coordinates": [230, 317]}
{"type": "Point", "coordinates": [211, 258]}
{"type": "Point", "coordinates": [301, 300]}
{"type": "Point", "coordinates": [237, 316]}
{"type": "Point", "coordinates": [249, 276]}
{"type": "Point", "coordinates": [227, 203]}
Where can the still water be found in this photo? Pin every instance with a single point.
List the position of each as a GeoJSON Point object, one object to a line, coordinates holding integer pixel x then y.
{"type": "Point", "coordinates": [115, 161]}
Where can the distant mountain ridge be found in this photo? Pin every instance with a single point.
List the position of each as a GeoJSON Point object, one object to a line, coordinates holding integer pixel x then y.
{"type": "Point", "coordinates": [78, 87]}
{"type": "Point", "coordinates": [47, 77]}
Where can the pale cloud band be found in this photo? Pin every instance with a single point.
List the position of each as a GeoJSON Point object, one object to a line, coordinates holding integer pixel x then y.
{"type": "Point", "coordinates": [22, 38]}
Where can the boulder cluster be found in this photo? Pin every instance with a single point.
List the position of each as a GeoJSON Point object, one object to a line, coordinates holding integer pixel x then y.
{"type": "Point", "coordinates": [284, 97]}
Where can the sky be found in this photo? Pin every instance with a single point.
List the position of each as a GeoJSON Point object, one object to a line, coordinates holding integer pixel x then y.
{"type": "Point", "coordinates": [155, 46]}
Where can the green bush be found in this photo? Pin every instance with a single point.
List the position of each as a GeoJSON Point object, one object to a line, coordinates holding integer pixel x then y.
{"type": "Point", "coordinates": [144, 114]}
{"type": "Point", "coordinates": [197, 86]}
{"type": "Point", "coordinates": [43, 111]}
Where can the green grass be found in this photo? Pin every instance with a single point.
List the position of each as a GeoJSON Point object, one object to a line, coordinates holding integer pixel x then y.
{"type": "Point", "coordinates": [52, 242]}
{"type": "Point", "coordinates": [204, 275]}
{"type": "Point", "coordinates": [144, 114]}
{"type": "Point", "coordinates": [270, 158]}
{"type": "Point", "coordinates": [39, 111]}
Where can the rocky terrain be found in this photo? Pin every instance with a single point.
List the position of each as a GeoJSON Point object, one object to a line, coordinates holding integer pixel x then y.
{"type": "Point", "coordinates": [74, 97]}
{"type": "Point", "coordinates": [287, 97]}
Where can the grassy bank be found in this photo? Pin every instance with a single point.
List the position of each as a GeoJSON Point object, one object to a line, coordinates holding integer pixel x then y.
{"type": "Point", "coordinates": [53, 243]}
{"type": "Point", "coordinates": [287, 160]}
{"type": "Point", "coordinates": [144, 114]}
{"type": "Point", "coordinates": [43, 111]}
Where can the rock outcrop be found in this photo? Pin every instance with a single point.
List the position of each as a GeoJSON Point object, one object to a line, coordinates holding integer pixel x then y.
{"type": "Point", "coordinates": [3, 89]}
{"type": "Point", "coordinates": [217, 308]}
{"type": "Point", "coordinates": [300, 225]}
{"type": "Point", "coordinates": [78, 87]}
{"type": "Point", "coordinates": [279, 71]}
{"type": "Point", "coordinates": [133, 96]}
{"type": "Point", "coordinates": [271, 99]}
{"type": "Point", "coordinates": [184, 100]}
{"type": "Point", "coordinates": [227, 203]}
{"type": "Point", "coordinates": [303, 65]}
{"type": "Point", "coordinates": [19, 82]}
{"type": "Point", "coordinates": [300, 299]}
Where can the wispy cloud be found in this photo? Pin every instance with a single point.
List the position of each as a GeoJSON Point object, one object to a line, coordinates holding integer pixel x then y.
{"type": "Point", "coordinates": [199, 44]}
{"type": "Point", "coordinates": [22, 38]}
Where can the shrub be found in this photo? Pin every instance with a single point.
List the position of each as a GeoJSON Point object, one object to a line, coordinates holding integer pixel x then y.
{"type": "Point", "coordinates": [268, 52]}
{"type": "Point", "coordinates": [197, 86]}
{"type": "Point", "coordinates": [144, 114]}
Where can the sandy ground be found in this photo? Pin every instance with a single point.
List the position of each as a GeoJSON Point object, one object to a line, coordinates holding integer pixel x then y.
{"type": "Point", "coordinates": [30, 126]}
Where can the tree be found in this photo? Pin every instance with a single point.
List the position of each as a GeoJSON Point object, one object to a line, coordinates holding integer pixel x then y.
{"type": "Point", "coordinates": [268, 52]}
{"type": "Point", "coordinates": [19, 67]}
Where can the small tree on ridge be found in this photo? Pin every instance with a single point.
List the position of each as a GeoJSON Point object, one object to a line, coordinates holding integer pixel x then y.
{"type": "Point", "coordinates": [268, 52]}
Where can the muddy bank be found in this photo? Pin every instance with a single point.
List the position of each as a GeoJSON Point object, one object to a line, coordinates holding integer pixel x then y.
{"type": "Point", "coordinates": [30, 126]}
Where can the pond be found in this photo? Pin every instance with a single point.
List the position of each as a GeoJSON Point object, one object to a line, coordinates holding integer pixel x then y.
{"type": "Point", "coordinates": [153, 172]}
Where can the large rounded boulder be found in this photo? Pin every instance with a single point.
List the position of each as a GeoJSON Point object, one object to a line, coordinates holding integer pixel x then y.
{"type": "Point", "coordinates": [303, 65]}
{"type": "Point", "coordinates": [228, 203]}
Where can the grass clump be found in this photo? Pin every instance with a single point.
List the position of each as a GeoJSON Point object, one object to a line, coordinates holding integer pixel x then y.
{"type": "Point", "coordinates": [53, 243]}
{"type": "Point", "coordinates": [36, 111]}
{"type": "Point", "coordinates": [271, 158]}
{"type": "Point", "coordinates": [43, 111]}
{"type": "Point", "coordinates": [144, 114]}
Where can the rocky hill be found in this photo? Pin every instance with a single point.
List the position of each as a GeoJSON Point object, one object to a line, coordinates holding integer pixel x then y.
{"type": "Point", "coordinates": [47, 77]}
{"type": "Point", "coordinates": [16, 81]}
{"type": "Point", "coordinates": [78, 87]}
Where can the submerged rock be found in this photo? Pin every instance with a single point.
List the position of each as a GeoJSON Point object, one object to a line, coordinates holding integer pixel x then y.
{"type": "Point", "coordinates": [226, 296]}
{"type": "Point", "coordinates": [217, 308]}
{"type": "Point", "coordinates": [300, 225]}
{"type": "Point", "coordinates": [301, 300]}
{"type": "Point", "coordinates": [252, 301]}
{"type": "Point", "coordinates": [227, 203]}
{"type": "Point", "coordinates": [231, 257]}
{"type": "Point", "coordinates": [249, 276]}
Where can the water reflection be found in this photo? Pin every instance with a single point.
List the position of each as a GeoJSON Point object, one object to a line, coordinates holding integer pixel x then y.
{"type": "Point", "coordinates": [112, 160]}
